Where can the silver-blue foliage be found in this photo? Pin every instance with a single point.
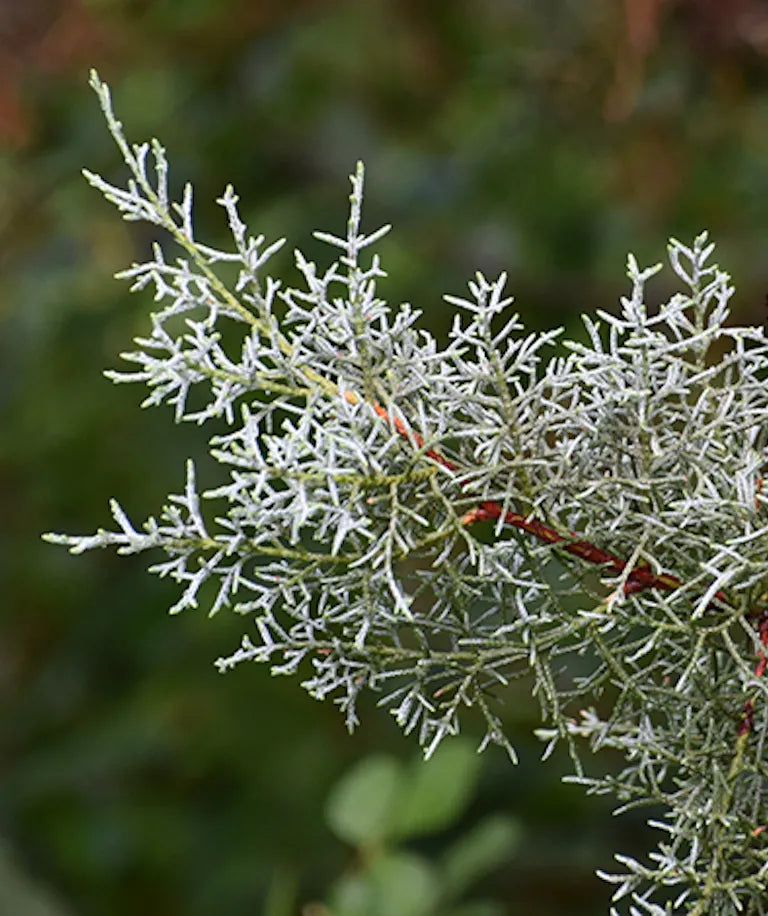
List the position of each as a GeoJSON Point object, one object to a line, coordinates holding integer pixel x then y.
{"type": "Point", "coordinates": [358, 453]}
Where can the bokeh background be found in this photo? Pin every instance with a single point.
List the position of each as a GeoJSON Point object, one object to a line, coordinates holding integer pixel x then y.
{"type": "Point", "coordinates": [541, 137]}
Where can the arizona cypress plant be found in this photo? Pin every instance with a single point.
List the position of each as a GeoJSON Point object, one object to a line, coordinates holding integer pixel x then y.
{"type": "Point", "coordinates": [430, 523]}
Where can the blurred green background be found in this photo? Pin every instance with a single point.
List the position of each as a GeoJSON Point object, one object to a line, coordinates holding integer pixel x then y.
{"type": "Point", "coordinates": [539, 137]}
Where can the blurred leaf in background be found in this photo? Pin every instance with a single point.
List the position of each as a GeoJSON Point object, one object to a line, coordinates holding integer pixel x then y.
{"type": "Point", "coordinates": [545, 138]}
{"type": "Point", "coordinates": [381, 804]}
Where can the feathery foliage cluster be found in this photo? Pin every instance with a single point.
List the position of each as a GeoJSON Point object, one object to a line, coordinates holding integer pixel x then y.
{"type": "Point", "coordinates": [430, 523]}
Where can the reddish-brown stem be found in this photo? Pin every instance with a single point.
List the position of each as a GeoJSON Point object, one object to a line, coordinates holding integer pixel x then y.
{"type": "Point", "coordinates": [747, 721]}
{"type": "Point", "coordinates": [638, 578]}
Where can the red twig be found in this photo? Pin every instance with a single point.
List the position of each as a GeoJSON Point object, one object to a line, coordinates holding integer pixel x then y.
{"type": "Point", "coordinates": [638, 578]}
{"type": "Point", "coordinates": [747, 721]}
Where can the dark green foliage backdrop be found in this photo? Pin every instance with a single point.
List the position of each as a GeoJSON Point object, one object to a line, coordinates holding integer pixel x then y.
{"type": "Point", "coordinates": [543, 138]}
